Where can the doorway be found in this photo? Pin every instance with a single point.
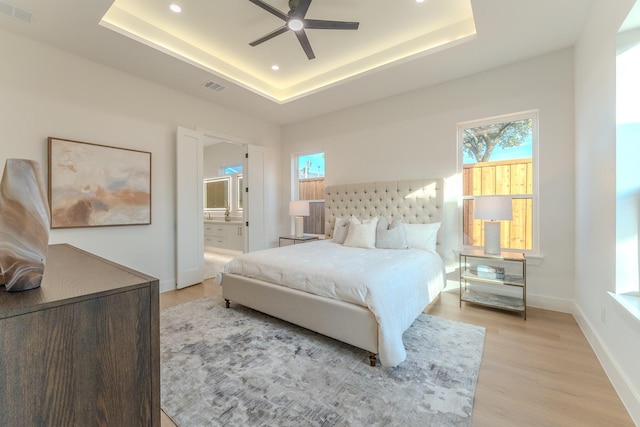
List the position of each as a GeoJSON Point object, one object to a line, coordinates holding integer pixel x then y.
{"type": "Point", "coordinates": [190, 197]}
{"type": "Point", "coordinates": [223, 195]}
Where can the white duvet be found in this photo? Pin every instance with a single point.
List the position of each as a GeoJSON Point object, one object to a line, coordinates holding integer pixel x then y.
{"type": "Point", "coordinates": [396, 285]}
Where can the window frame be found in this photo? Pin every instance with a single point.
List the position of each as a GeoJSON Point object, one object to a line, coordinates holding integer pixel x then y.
{"type": "Point", "coordinates": [295, 179]}
{"type": "Point", "coordinates": [535, 250]}
{"type": "Point", "coordinates": [627, 283]}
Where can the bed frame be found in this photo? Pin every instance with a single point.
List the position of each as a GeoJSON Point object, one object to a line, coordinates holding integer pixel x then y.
{"type": "Point", "coordinates": [415, 202]}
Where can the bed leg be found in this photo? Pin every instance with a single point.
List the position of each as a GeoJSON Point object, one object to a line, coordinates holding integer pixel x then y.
{"type": "Point", "coordinates": [372, 359]}
{"type": "Point", "coordinates": [227, 303]}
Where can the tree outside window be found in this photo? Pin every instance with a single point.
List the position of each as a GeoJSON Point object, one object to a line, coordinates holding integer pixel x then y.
{"type": "Point", "coordinates": [497, 159]}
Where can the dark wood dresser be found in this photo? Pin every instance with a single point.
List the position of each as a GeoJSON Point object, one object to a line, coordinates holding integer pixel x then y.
{"type": "Point", "coordinates": [83, 349]}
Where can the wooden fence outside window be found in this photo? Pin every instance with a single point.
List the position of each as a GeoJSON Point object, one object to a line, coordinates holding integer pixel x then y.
{"type": "Point", "coordinates": [507, 177]}
{"type": "Point", "coordinates": [313, 189]}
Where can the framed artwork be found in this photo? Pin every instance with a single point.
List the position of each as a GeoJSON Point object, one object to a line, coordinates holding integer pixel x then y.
{"type": "Point", "coordinates": [93, 185]}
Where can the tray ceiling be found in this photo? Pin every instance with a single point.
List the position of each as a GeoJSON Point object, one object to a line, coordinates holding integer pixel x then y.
{"type": "Point", "coordinates": [215, 36]}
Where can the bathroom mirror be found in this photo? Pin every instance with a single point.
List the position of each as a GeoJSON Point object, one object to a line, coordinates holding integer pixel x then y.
{"type": "Point", "coordinates": [216, 193]}
{"type": "Point", "coordinates": [240, 192]}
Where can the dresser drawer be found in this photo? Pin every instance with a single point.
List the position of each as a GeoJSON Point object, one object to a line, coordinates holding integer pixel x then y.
{"type": "Point", "coordinates": [220, 230]}
{"type": "Point", "coordinates": [215, 230]}
{"type": "Point", "coordinates": [215, 241]}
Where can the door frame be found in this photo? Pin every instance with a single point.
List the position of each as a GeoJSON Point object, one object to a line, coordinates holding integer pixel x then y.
{"type": "Point", "coordinates": [221, 137]}
{"type": "Point", "coordinates": [254, 236]}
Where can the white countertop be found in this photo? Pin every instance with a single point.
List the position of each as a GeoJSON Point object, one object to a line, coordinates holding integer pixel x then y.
{"type": "Point", "coordinates": [222, 221]}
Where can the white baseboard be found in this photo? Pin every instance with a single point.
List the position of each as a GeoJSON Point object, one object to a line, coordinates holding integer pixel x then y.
{"type": "Point", "coordinates": [550, 303]}
{"type": "Point", "coordinates": [628, 395]}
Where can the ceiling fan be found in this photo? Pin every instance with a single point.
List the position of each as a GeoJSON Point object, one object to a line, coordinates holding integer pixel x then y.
{"type": "Point", "coordinates": [295, 20]}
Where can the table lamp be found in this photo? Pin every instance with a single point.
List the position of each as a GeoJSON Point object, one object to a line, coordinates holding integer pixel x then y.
{"type": "Point", "coordinates": [492, 209]}
{"type": "Point", "coordinates": [299, 208]}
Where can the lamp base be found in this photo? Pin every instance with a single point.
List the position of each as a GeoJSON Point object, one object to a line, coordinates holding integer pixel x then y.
{"type": "Point", "coordinates": [299, 227]}
{"type": "Point", "coordinates": [492, 237]}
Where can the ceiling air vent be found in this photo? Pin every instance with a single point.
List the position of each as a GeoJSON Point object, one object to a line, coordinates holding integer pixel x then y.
{"type": "Point", "coordinates": [18, 13]}
{"type": "Point", "coordinates": [213, 86]}
{"type": "Point", "coordinates": [6, 8]}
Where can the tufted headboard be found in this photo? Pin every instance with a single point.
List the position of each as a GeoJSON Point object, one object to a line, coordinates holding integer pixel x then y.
{"type": "Point", "coordinates": [414, 201]}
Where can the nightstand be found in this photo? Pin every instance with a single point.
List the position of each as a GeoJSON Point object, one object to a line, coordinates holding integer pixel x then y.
{"type": "Point", "coordinates": [492, 271]}
{"type": "Point", "coordinates": [293, 240]}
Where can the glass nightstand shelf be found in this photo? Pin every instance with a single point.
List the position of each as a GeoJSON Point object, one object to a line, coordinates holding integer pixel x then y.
{"type": "Point", "coordinates": [476, 267]}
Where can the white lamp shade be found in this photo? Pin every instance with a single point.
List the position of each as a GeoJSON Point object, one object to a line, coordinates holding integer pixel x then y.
{"type": "Point", "coordinates": [299, 208]}
{"type": "Point", "coordinates": [493, 208]}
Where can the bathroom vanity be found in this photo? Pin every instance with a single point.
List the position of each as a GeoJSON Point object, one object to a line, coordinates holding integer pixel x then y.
{"type": "Point", "coordinates": [227, 235]}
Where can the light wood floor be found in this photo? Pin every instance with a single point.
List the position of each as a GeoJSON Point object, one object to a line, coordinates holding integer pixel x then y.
{"type": "Point", "coordinates": [538, 372]}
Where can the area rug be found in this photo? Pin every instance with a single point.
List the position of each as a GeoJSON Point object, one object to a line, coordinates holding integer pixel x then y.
{"type": "Point", "coordinates": [238, 367]}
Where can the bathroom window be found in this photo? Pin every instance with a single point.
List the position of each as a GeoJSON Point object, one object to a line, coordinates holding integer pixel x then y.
{"type": "Point", "coordinates": [233, 169]}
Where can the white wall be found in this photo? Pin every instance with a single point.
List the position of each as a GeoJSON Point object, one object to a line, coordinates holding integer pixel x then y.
{"type": "Point", "coordinates": [46, 92]}
{"type": "Point", "coordinates": [414, 136]}
{"type": "Point", "coordinates": [613, 334]}
{"type": "Point", "coordinates": [221, 154]}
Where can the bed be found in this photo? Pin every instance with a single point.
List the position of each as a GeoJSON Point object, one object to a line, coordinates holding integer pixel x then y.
{"type": "Point", "coordinates": [364, 297]}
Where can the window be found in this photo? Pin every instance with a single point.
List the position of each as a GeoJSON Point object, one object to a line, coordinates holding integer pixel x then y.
{"type": "Point", "coordinates": [627, 177]}
{"type": "Point", "coordinates": [308, 184]}
{"type": "Point", "coordinates": [496, 157]}
{"type": "Point", "coordinates": [230, 169]}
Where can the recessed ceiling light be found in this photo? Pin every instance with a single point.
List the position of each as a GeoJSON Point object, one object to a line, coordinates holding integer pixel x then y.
{"type": "Point", "coordinates": [275, 67]}
{"type": "Point", "coordinates": [175, 8]}
{"type": "Point", "coordinates": [419, 1]}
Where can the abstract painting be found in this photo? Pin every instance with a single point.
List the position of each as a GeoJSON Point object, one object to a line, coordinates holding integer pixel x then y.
{"type": "Point", "coordinates": [93, 185]}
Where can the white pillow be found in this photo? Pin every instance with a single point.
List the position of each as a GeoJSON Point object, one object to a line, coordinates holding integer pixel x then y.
{"type": "Point", "coordinates": [391, 236]}
{"type": "Point", "coordinates": [362, 235]}
{"type": "Point", "coordinates": [422, 236]}
{"type": "Point", "coordinates": [340, 230]}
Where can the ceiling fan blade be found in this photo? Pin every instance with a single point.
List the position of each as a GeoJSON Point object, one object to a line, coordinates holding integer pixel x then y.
{"type": "Point", "coordinates": [271, 35]}
{"type": "Point", "coordinates": [304, 42]}
{"type": "Point", "coordinates": [318, 24]}
{"type": "Point", "coordinates": [272, 10]}
{"type": "Point", "coordinates": [302, 8]}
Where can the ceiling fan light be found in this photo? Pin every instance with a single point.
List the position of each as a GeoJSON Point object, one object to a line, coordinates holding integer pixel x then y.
{"type": "Point", "coordinates": [295, 24]}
